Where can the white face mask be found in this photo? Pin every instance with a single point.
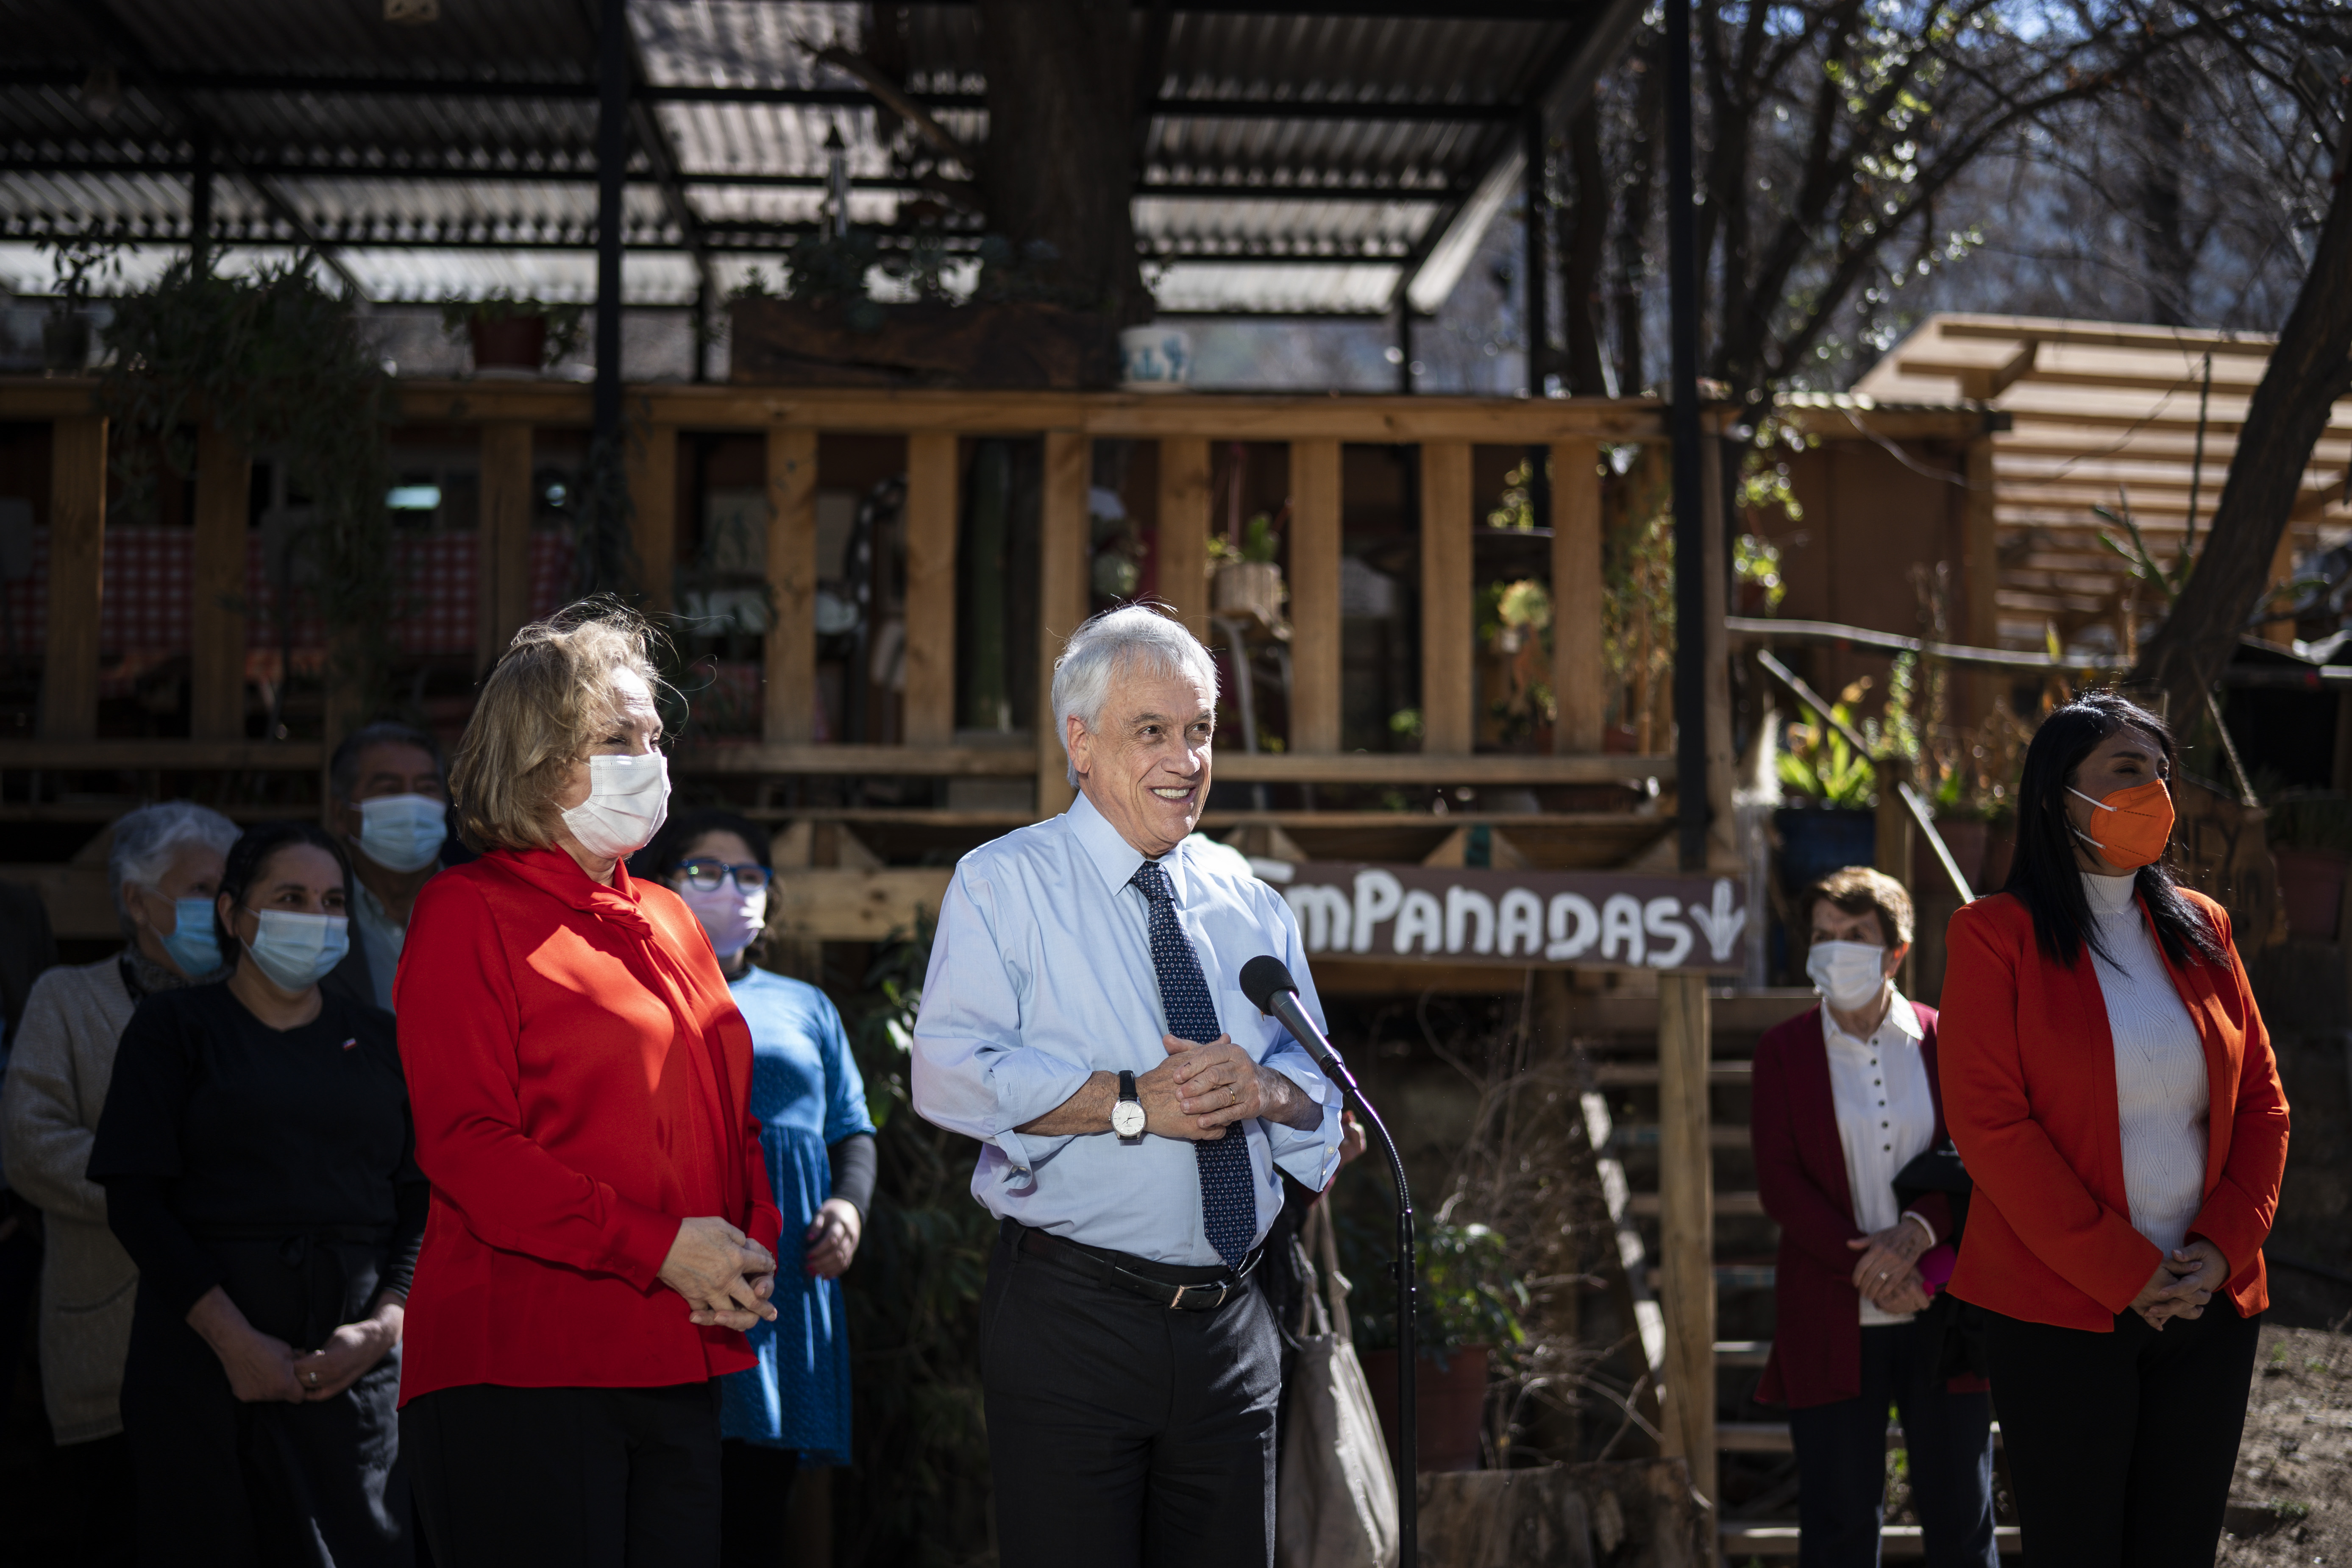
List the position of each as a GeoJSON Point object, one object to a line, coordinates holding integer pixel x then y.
{"type": "Point", "coordinates": [732, 917]}
{"type": "Point", "coordinates": [628, 797]}
{"type": "Point", "coordinates": [1849, 974]}
{"type": "Point", "coordinates": [403, 832]}
{"type": "Point", "coordinates": [298, 950]}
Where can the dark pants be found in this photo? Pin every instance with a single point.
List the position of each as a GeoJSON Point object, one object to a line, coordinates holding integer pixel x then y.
{"type": "Point", "coordinates": [2121, 1445]}
{"type": "Point", "coordinates": [1842, 1460]}
{"type": "Point", "coordinates": [1122, 1434]}
{"type": "Point", "coordinates": [589, 1477]}
{"type": "Point", "coordinates": [755, 1491]}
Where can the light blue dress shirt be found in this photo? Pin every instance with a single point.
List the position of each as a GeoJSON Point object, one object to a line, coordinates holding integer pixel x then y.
{"type": "Point", "coordinates": [1042, 973]}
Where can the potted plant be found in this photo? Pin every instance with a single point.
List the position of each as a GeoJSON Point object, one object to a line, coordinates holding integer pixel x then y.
{"type": "Point", "coordinates": [1244, 578]}
{"type": "Point", "coordinates": [2310, 834]}
{"type": "Point", "coordinates": [1469, 1305]}
{"type": "Point", "coordinates": [511, 336]}
{"type": "Point", "coordinates": [79, 263]}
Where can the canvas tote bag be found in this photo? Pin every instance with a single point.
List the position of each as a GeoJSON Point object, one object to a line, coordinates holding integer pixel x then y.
{"type": "Point", "coordinates": [1336, 1504]}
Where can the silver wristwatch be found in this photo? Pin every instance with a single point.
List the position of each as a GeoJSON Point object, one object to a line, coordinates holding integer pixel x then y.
{"type": "Point", "coordinates": [1127, 1116]}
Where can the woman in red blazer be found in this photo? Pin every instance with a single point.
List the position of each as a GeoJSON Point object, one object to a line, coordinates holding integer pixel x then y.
{"type": "Point", "coordinates": [2111, 1087]}
{"type": "Point", "coordinates": [1845, 1096]}
{"type": "Point", "coordinates": [602, 1228]}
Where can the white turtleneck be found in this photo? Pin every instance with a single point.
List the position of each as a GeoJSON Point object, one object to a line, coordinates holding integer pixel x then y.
{"type": "Point", "coordinates": [2162, 1093]}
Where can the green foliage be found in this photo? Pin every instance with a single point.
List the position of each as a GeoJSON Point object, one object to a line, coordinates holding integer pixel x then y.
{"type": "Point", "coordinates": [2308, 819]}
{"type": "Point", "coordinates": [1466, 1292]}
{"type": "Point", "coordinates": [1755, 559]}
{"type": "Point", "coordinates": [564, 321]}
{"type": "Point", "coordinates": [836, 272]}
{"type": "Point", "coordinates": [1821, 763]}
{"type": "Point", "coordinates": [81, 262]}
{"type": "Point", "coordinates": [2139, 561]}
{"type": "Point", "coordinates": [918, 1493]}
{"type": "Point", "coordinates": [281, 365]}
{"type": "Point", "coordinates": [1516, 507]}
{"type": "Point", "coordinates": [1260, 544]}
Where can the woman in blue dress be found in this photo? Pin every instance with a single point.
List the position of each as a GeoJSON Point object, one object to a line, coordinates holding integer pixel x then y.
{"type": "Point", "coordinates": [792, 1411]}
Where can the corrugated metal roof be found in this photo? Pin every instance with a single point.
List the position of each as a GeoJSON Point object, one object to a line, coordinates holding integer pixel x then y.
{"type": "Point", "coordinates": [1296, 162]}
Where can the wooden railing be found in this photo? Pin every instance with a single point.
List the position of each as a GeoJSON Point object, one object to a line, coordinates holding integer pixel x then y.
{"type": "Point", "coordinates": [1315, 429]}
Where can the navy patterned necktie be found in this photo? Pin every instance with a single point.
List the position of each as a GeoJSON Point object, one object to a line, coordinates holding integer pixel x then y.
{"type": "Point", "coordinates": [1228, 1196]}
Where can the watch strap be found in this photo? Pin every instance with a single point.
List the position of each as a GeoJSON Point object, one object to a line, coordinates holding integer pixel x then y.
{"type": "Point", "coordinates": [1127, 1085]}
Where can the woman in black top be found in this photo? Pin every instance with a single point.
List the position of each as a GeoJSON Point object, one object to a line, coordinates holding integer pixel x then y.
{"type": "Point", "coordinates": [257, 1157]}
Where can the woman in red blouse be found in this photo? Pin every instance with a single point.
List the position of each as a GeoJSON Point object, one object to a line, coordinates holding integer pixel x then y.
{"type": "Point", "coordinates": [601, 1229]}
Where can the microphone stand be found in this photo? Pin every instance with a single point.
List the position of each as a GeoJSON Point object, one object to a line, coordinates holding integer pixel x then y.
{"type": "Point", "coordinates": [1286, 1008]}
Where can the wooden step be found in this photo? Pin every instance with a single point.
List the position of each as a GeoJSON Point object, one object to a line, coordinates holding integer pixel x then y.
{"type": "Point", "coordinates": [1645, 1136]}
{"type": "Point", "coordinates": [1733, 1277]}
{"type": "Point", "coordinates": [1745, 1205]}
{"type": "Point", "coordinates": [1772, 1436]}
{"type": "Point", "coordinates": [1742, 1352]}
{"type": "Point", "coordinates": [1633, 1075]}
{"type": "Point", "coordinates": [1743, 1540]}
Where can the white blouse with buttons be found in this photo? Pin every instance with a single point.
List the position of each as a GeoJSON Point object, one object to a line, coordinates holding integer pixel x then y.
{"type": "Point", "coordinates": [1886, 1115]}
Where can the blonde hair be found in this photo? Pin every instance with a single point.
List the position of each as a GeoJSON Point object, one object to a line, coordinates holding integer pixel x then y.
{"type": "Point", "coordinates": [548, 700]}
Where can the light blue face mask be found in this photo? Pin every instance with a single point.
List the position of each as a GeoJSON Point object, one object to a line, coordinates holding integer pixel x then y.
{"type": "Point", "coordinates": [298, 950]}
{"type": "Point", "coordinates": [403, 832]}
{"type": "Point", "coordinates": [194, 946]}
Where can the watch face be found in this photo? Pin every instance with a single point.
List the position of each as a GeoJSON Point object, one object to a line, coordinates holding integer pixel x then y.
{"type": "Point", "coordinates": [1127, 1119]}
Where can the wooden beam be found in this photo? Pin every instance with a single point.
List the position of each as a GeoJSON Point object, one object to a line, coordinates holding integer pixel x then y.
{"type": "Point", "coordinates": [76, 577]}
{"type": "Point", "coordinates": [1686, 1225]}
{"type": "Point", "coordinates": [163, 757]}
{"type": "Point", "coordinates": [1449, 688]}
{"type": "Point", "coordinates": [1577, 663]}
{"type": "Point", "coordinates": [1183, 546]}
{"type": "Point", "coordinates": [503, 584]}
{"type": "Point", "coordinates": [653, 513]}
{"type": "Point", "coordinates": [932, 515]}
{"type": "Point", "coordinates": [1062, 584]}
{"type": "Point", "coordinates": [791, 640]}
{"type": "Point", "coordinates": [1315, 538]}
{"type": "Point", "coordinates": [1423, 767]}
{"type": "Point", "coordinates": [216, 626]}
{"type": "Point", "coordinates": [1724, 853]}
{"type": "Point", "coordinates": [832, 905]}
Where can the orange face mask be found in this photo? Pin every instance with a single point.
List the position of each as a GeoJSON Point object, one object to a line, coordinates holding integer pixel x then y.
{"type": "Point", "coordinates": [2135, 826]}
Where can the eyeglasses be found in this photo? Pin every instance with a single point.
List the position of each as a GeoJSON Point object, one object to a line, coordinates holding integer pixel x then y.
{"type": "Point", "coordinates": [705, 876]}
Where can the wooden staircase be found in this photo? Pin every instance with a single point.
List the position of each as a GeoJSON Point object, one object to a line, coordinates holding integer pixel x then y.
{"type": "Point", "coordinates": [1618, 1038]}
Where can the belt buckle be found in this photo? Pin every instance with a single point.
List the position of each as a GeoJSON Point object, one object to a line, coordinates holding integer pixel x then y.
{"type": "Point", "coordinates": [1176, 1301]}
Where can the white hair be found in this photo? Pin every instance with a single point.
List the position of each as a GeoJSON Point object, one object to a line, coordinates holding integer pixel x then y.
{"type": "Point", "coordinates": [147, 840]}
{"type": "Point", "coordinates": [1131, 638]}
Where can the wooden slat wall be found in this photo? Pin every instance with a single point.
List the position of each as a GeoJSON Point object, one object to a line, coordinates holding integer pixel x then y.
{"type": "Point", "coordinates": [1061, 595]}
{"type": "Point", "coordinates": [216, 626]}
{"type": "Point", "coordinates": [931, 708]}
{"type": "Point", "coordinates": [76, 577]}
{"type": "Point", "coordinates": [1980, 573]}
{"type": "Point", "coordinates": [1314, 596]}
{"type": "Point", "coordinates": [1449, 696]}
{"type": "Point", "coordinates": [791, 640]}
{"type": "Point", "coordinates": [1183, 542]}
{"type": "Point", "coordinates": [1576, 597]}
{"type": "Point", "coordinates": [502, 585]}
{"type": "Point", "coordinates": [653, 506]}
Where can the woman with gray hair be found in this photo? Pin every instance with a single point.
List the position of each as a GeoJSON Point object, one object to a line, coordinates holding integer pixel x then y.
{"type": "Point", "coordinates": [164, 866]}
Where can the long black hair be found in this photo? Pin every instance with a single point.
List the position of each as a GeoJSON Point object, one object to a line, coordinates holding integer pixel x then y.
{"type": "Point", "coordinates": [662, 855]}
{"type": "Point", "coordinates": [251, 853]}
{"type": "Point", "coordinates": [2048, 879]}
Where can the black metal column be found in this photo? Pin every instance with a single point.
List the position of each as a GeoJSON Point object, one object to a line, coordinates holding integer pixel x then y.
{"type": "Point", "coordinates": [1404, 343]}
{"type": "Point", "coordinates": [1690, 550]}
{"type": "Point", "coordinates": [200, 205]}
{"type": "Point", "coordinates": [1537, 261]}
{"type": "Point", "coordinates": [612, 169]}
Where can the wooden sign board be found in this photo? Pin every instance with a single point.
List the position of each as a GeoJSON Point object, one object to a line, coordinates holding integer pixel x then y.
{"type": "Point", "coordinates": [1602, 920]}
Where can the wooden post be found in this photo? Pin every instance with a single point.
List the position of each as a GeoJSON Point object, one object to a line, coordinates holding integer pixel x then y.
{"type": "Point", "coordinates": [1449, 693]}
{"type": "Point", "coordinates": [216, 624]}
{"type": "Point", "coordinates": [1980, 576]}
{"type": "Point", "coordinates": [653, 509]}
{"type": "Point", "coordinates": [502, 582]}
{"type": "Point", "coordinates": [930, 709]}
{"type": "Point", "coordinates": [1725, 855]}
{"type": "Point", "coordinates": [1577, 680]}
{"type": "Point", "coordinates": [1686, 1224]}
{"type": "Point", "coordinates": [1183, 542]}
{"type": "Point", "coordinates": [76, 577]}
{"type": "Point", "coordinates": [1061, 596]}
{"type": "Point", "coordinates": [1314, 596]}
{"type": "Point", "coordinates": [791, 640]}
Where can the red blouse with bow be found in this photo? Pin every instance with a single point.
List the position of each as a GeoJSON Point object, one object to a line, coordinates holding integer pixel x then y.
{"type": "Point", "coordinates": [581, 1083]}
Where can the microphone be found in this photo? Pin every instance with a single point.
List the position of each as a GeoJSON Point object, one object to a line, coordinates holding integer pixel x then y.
{"type": "Point", "coordinates": [1268, 985]}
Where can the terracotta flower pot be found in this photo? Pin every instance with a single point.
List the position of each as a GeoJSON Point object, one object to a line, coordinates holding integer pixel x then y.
{"type": "Point", "coordinates": [1449, 1405]}
{"type": "Point", "coordinates": [509, 344]}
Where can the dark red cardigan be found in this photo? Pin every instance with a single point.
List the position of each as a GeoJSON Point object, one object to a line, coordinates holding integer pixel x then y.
{"type": "Point", "coordinates": [1800, 1172]}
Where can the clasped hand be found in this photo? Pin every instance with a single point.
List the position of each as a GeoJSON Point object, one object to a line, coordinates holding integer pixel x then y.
{"type": "Point", "coordinates": [2184, 1281]}
{"type": "Point", "coordinates": [724, 1275]}
{"type": "Point", "coordinates": [1887, 1272]}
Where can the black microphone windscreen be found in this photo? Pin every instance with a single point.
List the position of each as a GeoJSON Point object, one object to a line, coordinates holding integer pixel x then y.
{"type": "Point", "coordinates": [1262, 977]}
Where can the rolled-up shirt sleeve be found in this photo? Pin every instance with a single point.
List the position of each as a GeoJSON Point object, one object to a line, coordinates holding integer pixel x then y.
{"type": "Point", "coordinates": [971, 1073]}
{"type": "Point", "coordinates": [1309, 1158]}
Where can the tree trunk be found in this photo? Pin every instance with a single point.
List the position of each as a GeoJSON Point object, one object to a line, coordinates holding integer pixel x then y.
{"type": "Point", "coordinates": [2164, 248]}
{"type": "Point", "coordinates": [1057, 166]}
{"type": "Point", "coordinates": [2309, 370]}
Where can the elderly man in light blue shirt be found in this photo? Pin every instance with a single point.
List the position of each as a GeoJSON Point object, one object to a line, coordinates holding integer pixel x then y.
{"type": "Point", "coordinates": [1083, 1019]}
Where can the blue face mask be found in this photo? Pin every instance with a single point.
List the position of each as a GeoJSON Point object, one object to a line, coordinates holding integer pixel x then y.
{"type": "Point", "coordinates": [403, 832]}
{"type": "Point", "coordinates": [194, 946]}
{"type": "Point", "coordinates": [298, 950]}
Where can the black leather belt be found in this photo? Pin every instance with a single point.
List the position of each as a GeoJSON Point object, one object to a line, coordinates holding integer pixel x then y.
{"type": "Point", "coordinates": [1127, 1274]}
